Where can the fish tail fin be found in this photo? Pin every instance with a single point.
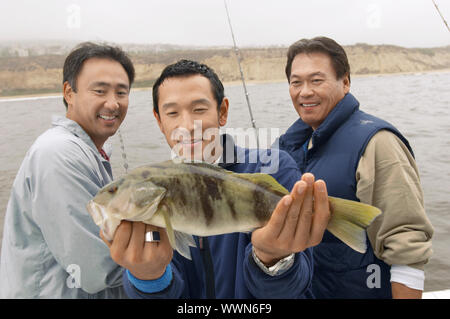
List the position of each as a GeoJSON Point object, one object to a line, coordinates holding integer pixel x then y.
{"type": "Point", "coordinates": [349, 221]}
{"type": "Point", "coordinates": [178, 240]}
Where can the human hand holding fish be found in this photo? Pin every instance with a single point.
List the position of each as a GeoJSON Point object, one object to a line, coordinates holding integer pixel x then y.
{"type": "Point", "coordinates": [129, 249]}
{"type": "Point", "coordinates": [298, 222]}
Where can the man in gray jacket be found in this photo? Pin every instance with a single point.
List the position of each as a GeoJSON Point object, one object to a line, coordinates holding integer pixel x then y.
{"type": "Point", "coordinates": [51, 247]}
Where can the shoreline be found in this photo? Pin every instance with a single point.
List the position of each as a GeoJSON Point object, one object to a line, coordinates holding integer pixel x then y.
{"type": "Point", "coordinates": [228, 83]}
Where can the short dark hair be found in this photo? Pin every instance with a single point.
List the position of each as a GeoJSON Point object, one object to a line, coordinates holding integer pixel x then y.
{"type": "Point", "coordinates": [87, 50]}
{"type": "Point", "coordinates": [324, 45]}
{"type": "Point", "coordinates": [185, 68]}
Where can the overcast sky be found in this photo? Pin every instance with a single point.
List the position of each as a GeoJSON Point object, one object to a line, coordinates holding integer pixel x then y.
{"type": "Point", "coordinates": [409, 23]}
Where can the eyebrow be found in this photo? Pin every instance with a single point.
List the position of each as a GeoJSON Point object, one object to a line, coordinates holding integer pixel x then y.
{"type": "Point", "coordinates": [193, 103]}
{"type": "Point", "coordinates": [106, 84]}
{"type": "Point", "coordinates": [201, 101]}
{"type": "Point", "coordinates": [169, 104]}
{"type": "Point", "coordinates": [309, 75]}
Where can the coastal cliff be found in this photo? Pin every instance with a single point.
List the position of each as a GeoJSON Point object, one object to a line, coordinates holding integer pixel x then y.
{"type": "Point", "coordinates": [39, 74]}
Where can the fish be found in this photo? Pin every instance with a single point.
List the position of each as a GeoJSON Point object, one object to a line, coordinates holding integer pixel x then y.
{"type": "Point", "coordinates": [204, 200]}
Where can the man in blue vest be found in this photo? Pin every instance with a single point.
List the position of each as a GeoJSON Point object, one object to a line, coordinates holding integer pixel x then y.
{"type": "Point", "coordinates": [360, 157]}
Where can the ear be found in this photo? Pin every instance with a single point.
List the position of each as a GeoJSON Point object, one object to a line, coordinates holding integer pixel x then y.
{"type": "Point", "coordinates": [346, 84]}
{"type": "Point", "coordinates": [158, 120]}
{"type": "Point", "coordinates": [223, 112]}
{"type": "Point", "coordinates": [68, 94]}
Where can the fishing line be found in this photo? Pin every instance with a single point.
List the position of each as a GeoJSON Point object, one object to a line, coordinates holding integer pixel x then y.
{"type": "Point", "coordinates": [124, 155]}
{"type": "Point", "coordinates": [439, 11]}
{"type": "Point", "coordinates": [239, 58]}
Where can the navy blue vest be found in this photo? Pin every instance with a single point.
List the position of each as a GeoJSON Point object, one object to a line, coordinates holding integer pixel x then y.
{"type": "Point", "coordinates": [338, 143]}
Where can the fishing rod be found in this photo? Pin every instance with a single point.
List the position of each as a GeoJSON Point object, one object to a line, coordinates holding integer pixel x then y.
{"type": "Point", "coordinates": [439, 11]}
{"type": "Point", "coordinates": [239, 58]}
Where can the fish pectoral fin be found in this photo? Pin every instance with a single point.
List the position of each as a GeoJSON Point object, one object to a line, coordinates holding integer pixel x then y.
{"type": "Point", "coordinates": [178, 240]}
{"type": "Point", "coordinates": [165, 213]}
{"type": "Point", "coordinates": [183, 242]}
{"type": "Point", "coordinates": [349, 221]}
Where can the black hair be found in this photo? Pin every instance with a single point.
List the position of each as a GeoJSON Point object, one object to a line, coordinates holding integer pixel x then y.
{"type": "Point", "coordinates": [187, 68]}
{"type": "Point", "coordinates": [87, 50]}
{"type": "Point", "coordinates": [324, 45]}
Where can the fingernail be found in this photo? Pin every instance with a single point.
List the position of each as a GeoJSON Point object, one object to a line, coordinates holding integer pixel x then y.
{"type": "Point", "coordinates": [301, 188]}
{"type": "Point", "coordinates": [321, 186]}
{"type": "Point", "coordinates": [288, 200]}
{"type": "Point", "coordinates": [308, 178]}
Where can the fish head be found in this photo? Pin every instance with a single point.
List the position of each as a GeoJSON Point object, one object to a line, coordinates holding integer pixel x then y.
{"type": "Point", "coordinates": [126, 198]}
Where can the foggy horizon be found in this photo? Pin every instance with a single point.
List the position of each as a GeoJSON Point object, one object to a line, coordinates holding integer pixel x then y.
{"type": "Point", "coordinates": [410, 24]}
{"type": "Point", "coordinates": [49, 41]}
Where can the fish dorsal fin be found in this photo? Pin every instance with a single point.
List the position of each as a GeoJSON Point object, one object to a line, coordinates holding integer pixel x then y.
{"type": "Point", "coordinates": [208, 166]}
{"type": "Point", "coordinates": [265, 181]}
{"type": "Point", "coordinates": [261, 179]}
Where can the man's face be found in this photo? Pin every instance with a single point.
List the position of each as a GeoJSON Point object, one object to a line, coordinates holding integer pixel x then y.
{"type": "Point", "coordinates": [188, 116]}
{"type": "Point", "coordinates": [313, 87]}
{"type": "Point", "coordinates": [101, 102]}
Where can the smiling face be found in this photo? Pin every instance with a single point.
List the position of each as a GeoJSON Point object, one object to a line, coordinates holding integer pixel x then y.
{"type": "Point", "coordinates": [313, 87]}
{"type": "Point", "coordinates": [188, 116]}
{"type": "Point", "coordinates": [101, 102]}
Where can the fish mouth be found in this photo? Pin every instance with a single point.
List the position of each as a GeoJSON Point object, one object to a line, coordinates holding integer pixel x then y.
{"type": "Point", "coordinates": [96, 211]}
{"type": "Point", "coordinates": [107, 224]}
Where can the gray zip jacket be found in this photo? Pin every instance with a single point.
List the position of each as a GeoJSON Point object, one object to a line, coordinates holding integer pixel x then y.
{"type": "Point", "coordinates": [51, 247]}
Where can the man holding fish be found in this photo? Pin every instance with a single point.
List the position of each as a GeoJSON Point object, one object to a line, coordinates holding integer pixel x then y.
{"type": "Point", "coordinates": [360, 157]}
{"type": "Point", "coordinates": [273, 261]}
{"type": "Point", "coordinates": [158, 207]}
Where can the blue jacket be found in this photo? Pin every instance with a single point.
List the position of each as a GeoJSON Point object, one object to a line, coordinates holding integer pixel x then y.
{"type": "Point", "coordinates": [338, 144]}
{"type": "Point", "coordinates": [235, 273]}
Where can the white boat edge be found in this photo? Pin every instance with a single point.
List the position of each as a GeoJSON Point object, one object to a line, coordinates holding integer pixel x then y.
{"type": "Point", "coordinates": [439, 294]}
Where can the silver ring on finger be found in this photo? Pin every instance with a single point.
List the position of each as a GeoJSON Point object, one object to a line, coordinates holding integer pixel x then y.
{"type": "Point", "coordinates": [152, 237]}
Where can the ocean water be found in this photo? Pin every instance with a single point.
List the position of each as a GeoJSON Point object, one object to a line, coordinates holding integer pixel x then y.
{"type": "Point", "coordinates": [417, 104]}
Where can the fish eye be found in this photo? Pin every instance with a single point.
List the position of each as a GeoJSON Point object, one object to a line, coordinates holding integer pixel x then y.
{"type": "Point", "coordinates": [112, 189]}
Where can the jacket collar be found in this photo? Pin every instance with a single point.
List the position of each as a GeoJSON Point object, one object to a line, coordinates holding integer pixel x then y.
{"type": "Point", "coordinates": [229, 154]}
{"type": "Point", "coordinates": [300, 132]}
{"type": "Point", "coordinates": [75, 128]}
